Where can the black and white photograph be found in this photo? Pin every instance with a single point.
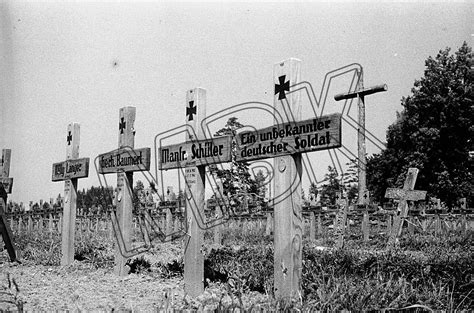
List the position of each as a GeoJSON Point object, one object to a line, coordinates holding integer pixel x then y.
{"type": "Point", "coordinates": [224, 156]}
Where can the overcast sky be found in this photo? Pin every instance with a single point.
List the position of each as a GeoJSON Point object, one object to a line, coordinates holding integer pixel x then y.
{"type": "Point", "coordinates": [81, 62]}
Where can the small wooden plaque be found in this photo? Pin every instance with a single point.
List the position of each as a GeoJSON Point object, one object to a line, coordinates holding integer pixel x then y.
{"type": "Point", "coordinates": [124, 159]}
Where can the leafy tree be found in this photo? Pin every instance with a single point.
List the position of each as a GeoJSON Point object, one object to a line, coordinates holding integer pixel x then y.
{"type": "Point", "coordinates": [350, 181]}
{"type": "Point", "coordinates": [434, 132]}
{"type": "Point", "coordinates": [329, 189]}
{"type": "Point", "coordinates": [236, 180]}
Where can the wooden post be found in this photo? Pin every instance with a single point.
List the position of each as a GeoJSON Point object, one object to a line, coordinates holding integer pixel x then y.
{"type": "Point", "coordinates": [360, 93]}
{"type": "Point", "coordinates": [218, 228]}
{"type": "Point", "coordinates": [340, 220]}
{"type": "Point", "coordinates": [365, 217]}
{"type": "Point", "coordinates": [288, 232]}
{"type": "Point", "coordinates": [195, 184]}
{"type": "Point", "coordinates": [69, 171]}
{"type": "Point", "coordinates": [312, 226]}
{"type": "Point", "coordinates": [126, 139]}
{"type": "Point", "coordinates": [407, 193]}
{"type": "Point", "coordinates": [169, 223]}
{"type": "Point", "coordinates": [268, 226]}
{"type": "Point", "coordinates": [6, 183]}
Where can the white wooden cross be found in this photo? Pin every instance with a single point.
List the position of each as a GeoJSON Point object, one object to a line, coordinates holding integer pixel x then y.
{"type": "Point", "coordinates": [403, 195]}
{"type": "Point", "coordinates": [341, 219]}
{"type": "Point", "coordinates": [69, 171]}
{"type": "Point", "coordinates": [124, 161]}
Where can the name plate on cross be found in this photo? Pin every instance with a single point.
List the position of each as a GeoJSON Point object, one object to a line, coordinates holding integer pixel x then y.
{"type": "Point", "coordinates": [76, 168]}
{"type": "Point", "coordinates": [124, 159]}
{"type": "Point", "coordinates": [195, 153]}
{"type": "Point", "coordinates": [289, 138]}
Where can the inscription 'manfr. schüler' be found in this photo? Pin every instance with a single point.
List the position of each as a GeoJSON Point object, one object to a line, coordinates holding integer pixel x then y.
{"type": "Point", "coordinates": [208, 149]}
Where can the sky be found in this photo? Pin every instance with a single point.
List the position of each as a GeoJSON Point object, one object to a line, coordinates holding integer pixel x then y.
{"type": "Point", "coordinates": [63, 62]}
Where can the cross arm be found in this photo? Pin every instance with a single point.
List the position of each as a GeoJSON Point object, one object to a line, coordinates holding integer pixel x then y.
{"type": "Point", "coordinates": [363, 92]}
{"type": "Point", "coordinates": [413, 195]}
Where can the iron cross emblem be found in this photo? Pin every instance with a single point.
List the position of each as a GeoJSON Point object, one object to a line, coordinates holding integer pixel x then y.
{"type": "Point", "coordinates": [282, 87]}
{"type": "Point", "coordinates": [69, 138]}
{"type": "Point", "coordinates": [122, 124]}
{"type": "Point", "coordinates": [191, 110]}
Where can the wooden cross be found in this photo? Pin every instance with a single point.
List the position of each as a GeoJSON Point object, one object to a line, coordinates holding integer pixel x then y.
{"type": "Point", "coordinates": [403, 195]}
{"type": "Point", "coordinates": [6, 188]}
{"type": "Point", "coordinates": [341, 219]}
{"type": "Point", "coordinates": [69, 171]}
{"type": "Point", "coordinates": [360, 94]}
{"type": "Point", "coordinates": [195, 177]}
{"type": "Point", "coordinates": [124, 161]}
{"type": "Point", "coordinates": [288, 221]}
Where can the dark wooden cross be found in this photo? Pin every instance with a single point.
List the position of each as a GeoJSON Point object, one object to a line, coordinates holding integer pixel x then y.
{"type": "Point", "coordinates": [360, 94]}
{"type": "Point", "coordinates": [6, 184]}
{"type": "Point", "coordinates": [403, 195]}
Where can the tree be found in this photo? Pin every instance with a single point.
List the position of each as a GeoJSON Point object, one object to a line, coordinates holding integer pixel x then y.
{"type": "Point", "coordinates": [236, 180]}
{"type": "Point", "coordinates": [329, 189]}
{"type": "Point", "coordinates": [434, 132]}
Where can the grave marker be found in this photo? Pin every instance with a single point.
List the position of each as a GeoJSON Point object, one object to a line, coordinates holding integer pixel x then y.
{"type": "Point", "coordinates": [365, 218]}
{"type": "Point", "coordinates": [6, 188]}
{"type": "Point", "coordinates": [340, 220]}
{"type": "Point", "coordinates": [69, 171]}
{"type": "Point", "coordinates": [124, 161]}
{"type": "Point", "coordinates": [195, 184]}
{"type": "Point", "coordinates": [288, 222]}
{"type": "Point", "coordinates": [403, 195]}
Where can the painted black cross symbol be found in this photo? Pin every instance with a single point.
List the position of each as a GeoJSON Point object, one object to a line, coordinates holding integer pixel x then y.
{"type": "Point", "coordinates": [191, 110]}
{"type": "Point", "coordinates": [122, 125]}
{"type": "Point", "coordinates": [69, 138]}
{"type": "Point", "coordinates": [282, 87]}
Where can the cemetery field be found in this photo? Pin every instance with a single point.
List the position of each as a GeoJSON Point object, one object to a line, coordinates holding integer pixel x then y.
{"type": "Point", "coordinates": [429, 270]}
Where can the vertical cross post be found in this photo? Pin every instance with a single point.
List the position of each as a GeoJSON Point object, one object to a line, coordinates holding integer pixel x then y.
{"type": "Point", "coordinates": [70, 198]}
{"type": "Point", "coordinates": [126, 139]}
{"type": "Point", "coordinates": [288, 223]}
{"type": "Point", "coordinates": [360, 94]}
{"type": "Point", "coordinates": [365, 216]}
{"type": "Point", "coordinates": [341, 219]}
{"type": "Point", "coordinates": [195, 183]}
{"type": "Point", "coordinates": [69, 171]}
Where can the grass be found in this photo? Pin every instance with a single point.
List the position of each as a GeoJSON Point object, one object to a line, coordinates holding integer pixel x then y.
{"type": "Point", "coordinates": [427, 272]}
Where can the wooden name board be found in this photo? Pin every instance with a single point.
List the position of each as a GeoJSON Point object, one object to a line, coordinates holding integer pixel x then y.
{"type": "Point", "coordinates": [195, 153]}
{"type": "Point", "coordinates": [7, 183]}
{"type": "Point", "coordinates": [288, 138]}
{"type": "Point", "coordinates": [127, 160]}
{"type": "Point", "coordinates": [74, 168]}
